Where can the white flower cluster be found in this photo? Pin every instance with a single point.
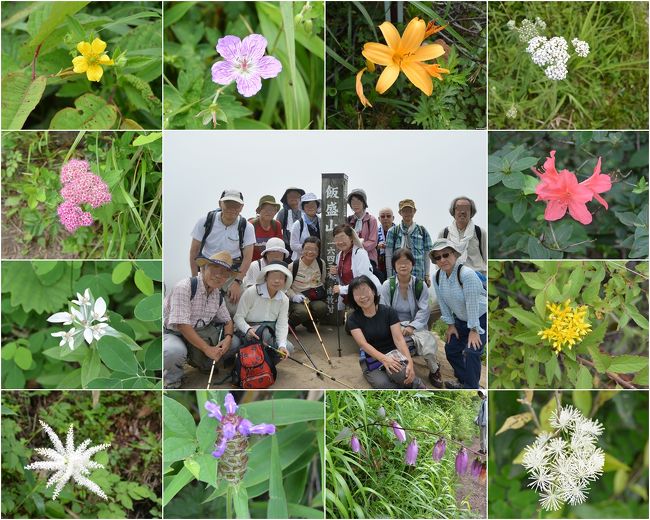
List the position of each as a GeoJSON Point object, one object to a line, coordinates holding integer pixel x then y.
{"type": "Point", "coordinates": [551, 54]}
{"type": "Point", "coordinates": [562, 464]}
{"type": "Point", "coordinates": [581, 47]}
{"type": "Point", "coordinates": [88, 318]}
{"type": "Point", "coordinates": [528, 28]}
{"type": "Point", "coordinates": [512, 112]}
{"type": "Point", "coordinates": [68, 462]}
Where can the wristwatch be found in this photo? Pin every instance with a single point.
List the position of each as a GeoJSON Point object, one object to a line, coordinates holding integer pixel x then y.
{"type": "Point", "coordinates": [238, 281]}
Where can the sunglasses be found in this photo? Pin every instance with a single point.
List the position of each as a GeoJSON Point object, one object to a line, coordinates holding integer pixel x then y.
{"type": "Point", "coordinates": [443, 255]}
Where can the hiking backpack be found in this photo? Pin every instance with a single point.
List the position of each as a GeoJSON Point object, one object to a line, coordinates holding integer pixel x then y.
{"type": "Point", "coordinates": [418, 287]}
{"type": "Point", "coordinates": [254, 367]}
{"type": "Point", "coordinates": [480, 276]}
{"type": "Point", "coordinates": [477, 231]}
{"type": "Point", "coordinates": [209, 223]}
{"type": "Point", "coordinates": [194, 285]}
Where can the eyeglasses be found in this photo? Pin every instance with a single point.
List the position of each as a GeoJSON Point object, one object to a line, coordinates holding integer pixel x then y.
{"type": "Point", "coordinates": [443, 255]}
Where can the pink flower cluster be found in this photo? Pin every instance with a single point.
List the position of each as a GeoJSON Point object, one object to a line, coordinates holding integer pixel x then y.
{"type": "Point", "coordinates": [80, 186]}
{"type": "Point", "coordinates": [561, 191]}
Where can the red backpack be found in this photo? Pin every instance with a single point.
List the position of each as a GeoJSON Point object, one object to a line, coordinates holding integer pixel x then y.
{"type": "Point", "coordinates": [254, 367]}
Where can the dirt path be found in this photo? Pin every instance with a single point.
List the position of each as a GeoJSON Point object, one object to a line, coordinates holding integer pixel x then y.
{"type": "Point", "coordinates": [344, 368]}
{"type": "Point", "coordinates": [470, 490]}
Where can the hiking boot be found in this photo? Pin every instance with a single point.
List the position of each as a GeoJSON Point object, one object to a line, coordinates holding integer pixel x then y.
{"type": "Point", "coordinates": [310, 328]}
{"type": "Point", "coordinates": [453, 385]}
{"type": "Point", "coordinates": [436, 379]}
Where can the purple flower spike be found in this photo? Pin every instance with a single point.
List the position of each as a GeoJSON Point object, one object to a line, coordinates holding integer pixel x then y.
{"type": "Point", "coordinates": [355, 444]}
{"type": "Point", "coordinates": [263, 429]}
{"type": "Point", "coordinates": [229, 430]}
{"type": "Point", "coordinates": [461, 461]}
{"type": "Point", "coordinates": [214, 410]}
{"type": "Point", "coordinates": [439, 449]}
{"type": "Point", "coordinates": [244, 62]}
{"type": "Point", "coordinates": [411, 453]}
{"type": "Point", "coordinates": [476, 468]}
{"type": "Point", "coordinates": [220, 447]}
{"type": "Point", "coordinates": [398, 431]}
{"type": "Point", "coordinates": [230, 404]}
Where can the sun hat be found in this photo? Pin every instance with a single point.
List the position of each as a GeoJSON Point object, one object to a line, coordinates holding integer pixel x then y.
{"type": "Point", "coordinates": [275, 244]}
{"type": "Point", "coordinates": [444, 243]}
{"type": "Point", "coordinates": [406, 203]}
{"type": "Point", "coordinates": [268, 199]}
{"type": "Point", "coordinates": [275, 266]}
{"type": "Point", "coordinates": [283, 199]}
{"type": "Point", "coordinates": [221, 258]}
{"type": "Point", "coordinates": [309, 197]}
{"type": "Point", "coordinates": [234, 195]}
{"type": "Point", "coordinates": [360, 194]}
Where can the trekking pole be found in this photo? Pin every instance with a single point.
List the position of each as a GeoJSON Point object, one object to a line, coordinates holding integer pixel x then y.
{"type": "Point", "coordinates": [309, 367]}
{"type": "Point", "coordinates": [214, 362]}
{"type": "Point", "coordinates": [338, 327]}
{"type": "Point", "coordinates": [303, 349]}
{"type": "Point", "coordinates": [317, 333]}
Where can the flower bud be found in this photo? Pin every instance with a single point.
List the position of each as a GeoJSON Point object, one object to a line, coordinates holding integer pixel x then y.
{"type": "Point", "coordinates": [476, 468]}
{"type": "Point", "coordinates": [482, 474]}
{"type": "Point", "coordinates": [355, 444]}
{"type": "Point", "coordinates": [411, 453]}
{"type": "Point", "coordinates": [398, 431]}
{"type": "Point", "coordinates": [439, 449]}
{"type": "Point", "coordinates": [381, 412]}
{"type": "Point", "coordinates": [461, 461]}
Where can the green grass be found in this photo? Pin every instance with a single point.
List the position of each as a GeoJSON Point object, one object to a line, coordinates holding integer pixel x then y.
{"type": "Point", "coordinates": [606, 90]}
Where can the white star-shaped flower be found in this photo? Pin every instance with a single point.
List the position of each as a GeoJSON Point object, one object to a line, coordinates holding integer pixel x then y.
{"type": "Point", "coordinates": [68, 462]}
{"type": "Point", "coordinates": [66, 337]}
{"type": "Point", "coordinates": [84, 300]}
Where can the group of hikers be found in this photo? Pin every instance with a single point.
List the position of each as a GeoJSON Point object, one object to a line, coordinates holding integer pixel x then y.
{"type": "Point", "coordinates": [256, 280]}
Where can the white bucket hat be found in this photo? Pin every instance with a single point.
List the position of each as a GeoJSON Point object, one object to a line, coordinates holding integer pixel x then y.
{"type": "Point", "coordinates": [275, 266]}
{"type": "Point", "coordinates": [275, 244]}
{"type": "Point", "coordinates": [310, 197]}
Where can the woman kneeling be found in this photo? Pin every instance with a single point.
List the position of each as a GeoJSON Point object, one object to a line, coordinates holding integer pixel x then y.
{"type": "Point", "coordinates": [385, 359]}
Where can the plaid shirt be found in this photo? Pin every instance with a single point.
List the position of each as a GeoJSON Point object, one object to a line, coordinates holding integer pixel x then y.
{"type": "Point", "coordinates": [421, 245]}
{"type": "Point", "coordinates": [467, 303]}
{"type": "Point", "coordinates": [204, 308]}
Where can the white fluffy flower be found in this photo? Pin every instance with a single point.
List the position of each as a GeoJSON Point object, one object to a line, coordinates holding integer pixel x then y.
{"type": "Point", "coordinates": [581, 47]}
{"type": "Point", "coordinates": [68, 462]}
{"type": "Point", "coordinates": [561, 464]}
{"type": "Point", "coordinates": [511, 112]}
{"type": "Point", "coordinates": [88, 317]}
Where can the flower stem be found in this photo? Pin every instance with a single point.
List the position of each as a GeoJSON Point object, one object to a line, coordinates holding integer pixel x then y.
{"type": "Point", "coordinates": [217, 94]}
{"type": "Point", "coordinates": [229, 499]}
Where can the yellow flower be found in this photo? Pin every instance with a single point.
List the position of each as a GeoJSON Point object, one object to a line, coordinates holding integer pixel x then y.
{"type": "Point", "coordinates": [568, 325]}
{"type": "Point", "coordinates": [405, 54]}
{"type": "Point", "coordinates": [91, 60]}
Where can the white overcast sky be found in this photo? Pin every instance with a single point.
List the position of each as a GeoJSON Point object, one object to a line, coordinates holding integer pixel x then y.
{"type": "Point", "coordinates": [431, 167]}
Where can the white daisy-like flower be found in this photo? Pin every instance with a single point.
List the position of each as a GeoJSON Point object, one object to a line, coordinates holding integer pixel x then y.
{"type": "Point", "coordinates": [68, 462]}
{"type": "Point", "coordinates": [83, 300]}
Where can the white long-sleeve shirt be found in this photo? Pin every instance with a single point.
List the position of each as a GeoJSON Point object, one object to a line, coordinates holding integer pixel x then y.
{"type": "Point", "coordinates": [256, 306]}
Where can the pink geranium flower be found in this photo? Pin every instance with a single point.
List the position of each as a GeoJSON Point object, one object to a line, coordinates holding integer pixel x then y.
{"type": "Point", "coordinates": [563, 193]}
{"type": "Point", "coordinates": [244, 62]}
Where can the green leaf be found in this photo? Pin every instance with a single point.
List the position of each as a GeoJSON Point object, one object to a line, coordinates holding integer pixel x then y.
{"type": "Point", "coordinates": [177, 448]}
{"type": "Point", "coordinates": [283, 411]}
{"type": "Point", "coordinates": [519, 209]}
{"type": "Point", "coordinates": [174, 484]}
{"type": "Point", "coordinates": [534, 280]}
{"type": "Point", "coordinates": [23, 358]}
{"type": "Point", "coordinates": [277, 507]}
{"type": "Point", "coordinates": [526, 317]}
{"type": "Point", "coordinates": [537, 251]}
{"type": "Point", "coordinates": [152, 268]}
{"type": "Point", "coordinates": [20, 95]}
{"type": "Point", "coordinates": [532, 374]}
{"type": "Point", "coordinates": [545, 414]}
{"type": "Point", "coordinates": [121, 272]}
{"type": "Point", "coordinates": [514, 181]}
{"type": "Point", "coordinates": [582, 401]}
{"type": "Point", "coordinates": [104, 383]}
{"type": "Point", "coordinates": [146, 139]}
{"type": "Point", "coordinates": [116, 355]}
{"type": "Point", "coordinates": [90, 113]}
{"type": "Point", "coordinates": [178, 420]}
{"type": "Point", "coordinates": [638, 318]}
{"type": "Point", "coordinates": [613, 464]}
{"type": "Point", "coordinates": [515, 422]}
{"type": "Point", "coordinates": [240, 501]}
{"type": "Point", "coordinates": [90, 367]}
{"type": "Point", "coordinates": [153, 355]}
{"type": "Point", "coordinates": [149, 309]}
{"type": "Point", "coordinates": [143, 282]}
{"type": "Point", "coordinates": [576, 280]}
{"type": "Point", "coordinates": [300, 511]}
{"type": "Point", "coordinates": [51, 17]}
{"type": "Point", "coordinates": [585, 379]}
{"type": "Point", "coordinates": [525, 163]}
{"type": "Point", "coordinates": [627, 364]}
{"type": "Point", "coordinates": [641, 377]}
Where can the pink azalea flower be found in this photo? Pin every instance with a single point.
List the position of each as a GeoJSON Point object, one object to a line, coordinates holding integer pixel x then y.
{"type": "Point", "coordinates": [244, 62]}
{"type": "Point", "coordinates": [562, 192]}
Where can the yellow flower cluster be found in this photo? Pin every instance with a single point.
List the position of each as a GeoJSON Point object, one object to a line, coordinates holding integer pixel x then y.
{"type": "Point", "coordinates": [568, 327]}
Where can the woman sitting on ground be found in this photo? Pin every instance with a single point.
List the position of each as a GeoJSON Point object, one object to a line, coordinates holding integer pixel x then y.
{"type": "Point", "coordinates": [463, 304]}
{"type": "Point", "coordinates": [265, 304]}
{"type": "Point", "coordinates": [376, 329]}
{"type": "Point", "coordinates": [409, 296]}
{"type": "Point", "coordinates": [308, 287]}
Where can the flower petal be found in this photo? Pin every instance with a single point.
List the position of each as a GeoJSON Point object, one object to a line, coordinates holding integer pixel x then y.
{"type": "Point", "coordinates": [578, 210]}
{"type": "Point", "coordinates": [105, 60]}
{"type": "Point", "coordinates": [79, 64]}
{"type": "Point", "coordinates": [601, 200]}
{"type": "Point", "coordinates": [391, 35]}
{"type": "Point", "coordinates": [427, 52]}
{"type": "Point", "coordinates": [98, 46]}
{"type": "Point", "coordinates": [230, 404]}
{"type": "Point", "coordinates": [84, 48]}
{"type": "Point", "coordinates": [269, 67]}
{"type": "Point", "coordinates": [555, 210]}
{"type": "Point", "coordinates": [100, 307]}
{"type": "Point", "coordinates": [253, 47]}
{"type": "Point", "coordinates": [378, 53]}
{"type": "Point", "coordinates": [387, 78]}
{"type": "Point", "coordinates": [359, 89]}
{"type": "Point", "coordinates": [214, 410]}
{"type": "Point", "coordinates": [413, 36]}
{"type": "Point", "coordinates": [60, 317]}
{"type": "Point", "coordinates": [418, 76]}
{"type": "Point", "coordinates": [228, 47]}
{"type": "Point", "coordinates": [263, 429]}
{"type": "Point", "coordinates": [88, 335]}
{"type": "Point", "coordinates": [94, 72]}
{"type": "Point", "coordinates": [223, 73]}
{"type": "Point", "coordinates": [249, 85]}
{"type": "Point", "coordinates": [220, 448]}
